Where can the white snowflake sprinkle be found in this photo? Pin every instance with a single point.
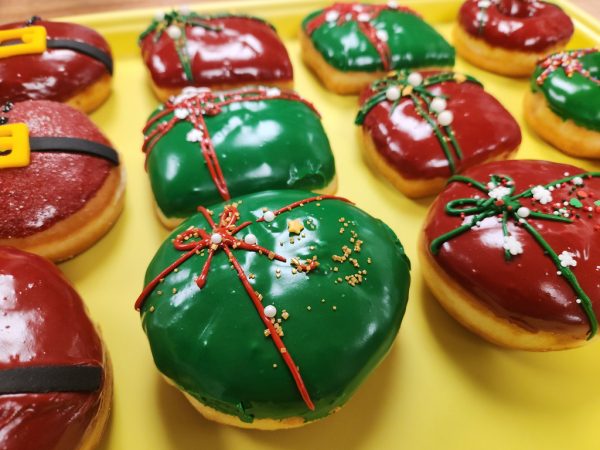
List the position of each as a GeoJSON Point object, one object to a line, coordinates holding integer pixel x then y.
{"type": "Point", "coordinates": [567, 259]}
{"type": "Point", "coordinates": [181, 113]}
{"type": "Point", "coordinates": [578, 181]}
{"type": "Point", "coordinates": [512, 245]}
{"type": "Point", "coordinates": [541, 194]}
{"type": "Point", "coordinates": [194, 135]}
{"type": "Point", "coordinates": [499, 192]}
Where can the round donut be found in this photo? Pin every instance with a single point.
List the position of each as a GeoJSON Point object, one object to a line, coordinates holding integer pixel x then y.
{"type": "Point", "coordinates": [67, 63]}
{"type": "Point", "coordinates": [510, 250]}
{"type": "Point", "coordinates": [181, 48]}
{"type": "Point", "coordinates": [270, 311]}
{"type": "Point", "coordinates": [67, 191]}
{"type": "Point", "coordinates": [350, 45]}
{"type": "Point", "coordinates": [509, 36]}
{"type": "Point", "coordinates": [420, 128]}
{"type": "Point", "coordinates": [203, 147]}
{"type": "Point", "coordinates": [563, 104]}
{"type": "Point", "coordinates": [55, 374]}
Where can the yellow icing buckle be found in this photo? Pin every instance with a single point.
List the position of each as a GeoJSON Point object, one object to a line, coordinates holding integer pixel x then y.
{"type": "Point", "coordinates": [14, 145]}
{"type": "Point", "coordinates": [33, 40]}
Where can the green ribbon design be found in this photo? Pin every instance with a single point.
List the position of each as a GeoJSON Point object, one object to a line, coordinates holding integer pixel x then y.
{"type": "Point", "coordinates": [421, 98]}
{"type": "Point", "coordinates": [507, 207]}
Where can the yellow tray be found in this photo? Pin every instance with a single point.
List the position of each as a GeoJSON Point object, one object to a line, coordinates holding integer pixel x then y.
{"type": "Point", "coordinates": [441, 387]}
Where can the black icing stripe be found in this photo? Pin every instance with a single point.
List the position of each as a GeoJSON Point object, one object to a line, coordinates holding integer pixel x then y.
{"type": "Point", "coordinates": [83, 48]}
{"type": "Point", "coordinates": [44, 379]}
{"type": "Point", "coordinates": [73, 145]}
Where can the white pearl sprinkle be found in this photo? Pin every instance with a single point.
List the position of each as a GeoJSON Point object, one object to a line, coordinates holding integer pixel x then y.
{"type": "Point", "coordinates": [484, 3]}
{"type": "Point", "coordinates": [181, 113]}
{"type": "Point", "coordinates": [363, 17]}
{"type": "Point", "coordinates": [270, 311]}
{"type": "Point", "coordinates": [216, 238]}
{"type": "Point", "coordinates": [332, 16]}
{"type": "Point", "coordinates": [523, 211]}
{"type": "Point", "coordinates": [415, 79]}
{"type": "Point", "coordinates": [577, 181]}
{"type": "Point", "coordinates": [578, 300]}
{"type": "Point", "coordinates": [445, 118]}
{"type": "Point", "coordinates": [250, 239]}
{"type": "Point", "coordinates": [269, 216]}
{"type": "Point", "coordinates": [438, 104]}
{"type": "Point", "coordinates": [174, 32]}
{"type": "Point", "coordinates": [392, 93]}
{"type": "Point", "coordinates": [481, 16]}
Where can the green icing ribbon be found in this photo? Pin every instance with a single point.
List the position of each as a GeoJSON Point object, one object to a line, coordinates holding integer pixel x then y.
{"type": "Point", "coordinates": [398, 83]}
{"type": "Point", "coordinates": [570, 82]}
{"type": "Point", "coordinates": [504, 203]}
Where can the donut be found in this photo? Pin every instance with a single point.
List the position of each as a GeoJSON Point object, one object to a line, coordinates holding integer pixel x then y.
{"type": "Point", "coordinates": [277, 325]}
{"type": "Point", "coordinates": [420, 128]}
{"type": "Point", "coordinates": [55, 380]}
{"type": "Point", "coordinates": [509, 36]}
{"type": "Point", "coordinates": [350, 45]}
{"type": "Point", "coordinates": [181, 48]}
{"type": "Point", "coordinates": [203, 147]}
{"type": "Point", "coordinates": [58, 61]}
{"type": "Point", "coordinates": [563, 104]}
{"type": "Point", "coordinates": [61, 184]}
{"type": "Point", "coordinates": [509, 249]}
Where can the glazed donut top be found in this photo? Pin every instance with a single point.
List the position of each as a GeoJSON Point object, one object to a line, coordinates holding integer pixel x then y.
{"type": "Point", "coordinates": [524, 25]}
{"type": "Point", "coordinates": [203, 146]}
{"type": "Point", "coordinates": [51, 358]}
{"type": "Point", "coordinates": [184, 48]}
{"type": "Point", "coordinates": [364, 37]}
{"type": "Point", "coordinates": [433, 124]}
{"type": "Point", "coordinates": [69, 162]}
{"type": "Point", "coordinates": [75, 58]}
{"type": "Point", "coordinates": [275, 306]}
{"type": "Point", "coordinates": [570, 81]}
{"type": "Point", "coordinates": [523, 237]}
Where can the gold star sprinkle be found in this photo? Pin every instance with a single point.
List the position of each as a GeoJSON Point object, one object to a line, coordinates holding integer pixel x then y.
{"type": "Point", "coordinates": [295, 226]}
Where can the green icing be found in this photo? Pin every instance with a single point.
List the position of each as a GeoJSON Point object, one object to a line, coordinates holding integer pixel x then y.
{"type": "Point", "coordinates": [210, 342]}
{"type": "Point", "coordinates": [575, 97]}
{"type": "Point", "coordinates": [412, 43]}
{"type": "Point", "coordinates": [260, 145]}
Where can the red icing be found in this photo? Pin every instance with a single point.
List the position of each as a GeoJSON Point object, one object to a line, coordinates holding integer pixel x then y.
{"type": "Point", "coordinates": [526, 289]}
{"type": "Point", "coordinates": [55, 185]}
{"type": "Point", "coordinates": [524, 25]}
{"type": "Point", "coordinates": [35, 304]}
{"type": "Point", "coordinates": [245, 51]}
{"type": "Point", "coordinates": [482, 126]}
{"type": "Point", "coordinates": [56, 74]}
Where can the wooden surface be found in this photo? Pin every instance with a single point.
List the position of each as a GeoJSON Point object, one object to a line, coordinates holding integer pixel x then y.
{"type": "Point", "coordinates": [19, 9]}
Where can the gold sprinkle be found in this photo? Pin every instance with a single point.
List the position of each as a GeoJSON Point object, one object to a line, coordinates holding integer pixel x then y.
{"type": "Point", "coordinates": [174, 290]}
{"type": "Point", "coordinates": [152, 309]}
{"type": "Point", "coordinates": [309, 308]}
{"type": "Point", "coordinates": [267, 332]}
{"type": "Point", "coordinates": [318, 204]}
{"type": "Point", "coordinates": [334, 308]}
{"type": "Point", "coordinates": [285, 315]}
{"type": "Point", "coordinates": [274, 366]}
{"type": "Point", "coordinates": [335, 269]}
{"type": "Point", "coordinates": [407, 90]}
{"type": "Point", "coordinates": [294, 271]}
{"type": "Point", "coordinates": [159, 292]}
{"type": "Point", "coordinates": [369, 260]}
{"type": "Point", "coordinates": [322, 300]}
{"type": "Point", "coordinates": [295, 226]}
{"type": "Point", "coordinates": [283, 350]}
{"type": "Point", "coordinates": [175, 270]}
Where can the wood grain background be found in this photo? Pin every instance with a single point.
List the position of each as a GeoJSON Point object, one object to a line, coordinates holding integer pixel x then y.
{"type": "Point", "coordinates": [11, 10]}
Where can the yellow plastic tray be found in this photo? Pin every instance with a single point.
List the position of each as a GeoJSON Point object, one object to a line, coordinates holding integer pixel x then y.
{"type": "Point", "coordinates": [441, 387]}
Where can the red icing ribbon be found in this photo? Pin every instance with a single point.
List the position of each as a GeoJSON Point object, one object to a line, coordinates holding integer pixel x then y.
{"type": "Point", "coordinates": [194, 240]}
{"type": "Point", "coordinates": [363, 14]}
{"type": "Point", "coordinates": [204, 102]}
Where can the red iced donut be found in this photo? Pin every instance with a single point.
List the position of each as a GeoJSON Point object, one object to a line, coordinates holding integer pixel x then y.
{"type": "Point", "coordinates": [509, 36]}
